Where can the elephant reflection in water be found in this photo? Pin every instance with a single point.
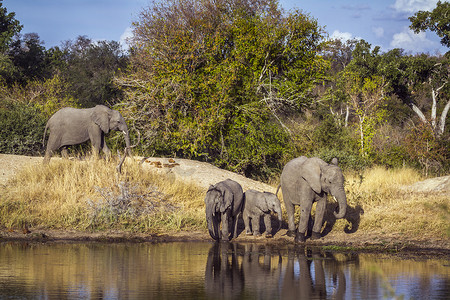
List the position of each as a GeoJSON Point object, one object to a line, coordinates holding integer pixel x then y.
{"type": "Point", "coordinates": [302, 286]}
{"type": "Point", "coordinates": [261, 276]}
{"type": "Point", "coordinates": [234, 271]}
{"type": "Point", "coordinates": [254, 274]}
{"type": "Point", "coordinates": [223, 276]}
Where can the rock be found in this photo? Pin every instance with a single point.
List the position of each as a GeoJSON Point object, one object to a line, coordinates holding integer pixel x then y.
{"type": "Point", "coordinates": [438, 184]}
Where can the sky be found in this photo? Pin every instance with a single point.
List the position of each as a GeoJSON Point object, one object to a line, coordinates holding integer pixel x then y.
{"type": "Point", "coordinates": [381, 23]}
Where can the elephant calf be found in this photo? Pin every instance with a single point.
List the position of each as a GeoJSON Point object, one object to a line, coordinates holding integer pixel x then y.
{"type": "Point", "coordinates": [256, 205]}
{"type": "Point", "coordinates": [223, 205]}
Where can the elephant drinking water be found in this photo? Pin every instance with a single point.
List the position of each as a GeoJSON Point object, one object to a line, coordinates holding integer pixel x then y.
{"type": "Point", "coordinates": [223, 203]}
{"type": "Point", "coordinates": [307, 180]}
{"type": "Point", "coordinates": [72, 126]}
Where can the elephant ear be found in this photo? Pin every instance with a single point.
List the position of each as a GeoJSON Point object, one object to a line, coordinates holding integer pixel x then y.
{"type": "Point", "coordinates": [262, 204]}
{"type": "Point", "coordinates": [100, 116]}
{"type": "Point", "coordinates": [312, 173]}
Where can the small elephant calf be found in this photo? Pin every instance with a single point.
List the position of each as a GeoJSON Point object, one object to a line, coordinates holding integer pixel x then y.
{"type": "Point", "coordinates": [257, 204]}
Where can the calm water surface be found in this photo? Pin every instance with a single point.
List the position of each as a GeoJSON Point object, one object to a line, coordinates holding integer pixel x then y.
{"type": "Point", "coordinates": [213, 271]}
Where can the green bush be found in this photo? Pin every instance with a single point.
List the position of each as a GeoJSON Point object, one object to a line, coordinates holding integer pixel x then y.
{"type": "Point", "coordinates": [21, 128]}
{"type": "Point", "coordinates": [347, 160]}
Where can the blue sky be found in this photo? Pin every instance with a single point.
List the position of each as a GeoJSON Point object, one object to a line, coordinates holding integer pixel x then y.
{"type": "Point", "coordinates": [381, 23]}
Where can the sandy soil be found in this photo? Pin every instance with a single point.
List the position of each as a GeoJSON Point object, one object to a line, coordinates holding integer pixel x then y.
{"type": "Point", "coordinates": [205, 174]}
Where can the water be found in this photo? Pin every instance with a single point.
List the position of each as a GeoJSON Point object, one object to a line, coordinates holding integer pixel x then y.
{"type": "Point", "coordinates": [213, 271]}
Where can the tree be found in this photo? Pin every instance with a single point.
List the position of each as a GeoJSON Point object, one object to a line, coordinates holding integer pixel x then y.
{"type": "Point", "coordinates": [367, 98]}
{"type": "Point", "coordinates": [210, 79]}
{"type": "Point", "coordinates": [438, 20]}
{"type": "Point", "coordinates": [340, 55]}
{"type": "Point", "coordinates": [9, 27]}
{"type": "Point", "coordinates": [89, 68]}
{"type": "Point", "coordinates": [429, 75]}
{"type": "Point", "coordinates": [28, 55]}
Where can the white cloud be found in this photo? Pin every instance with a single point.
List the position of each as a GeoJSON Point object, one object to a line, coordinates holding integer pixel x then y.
{"type": "Point", "coordinates": [378, 31]}
{"type": "Point", "coordinates": [345, 36]}
{"type": "Point", "coordinates": [410, 41]}
{"type": "Point", "coordinates": [413, 6]}
{"type": "Point", "coordinates": [128, 33]}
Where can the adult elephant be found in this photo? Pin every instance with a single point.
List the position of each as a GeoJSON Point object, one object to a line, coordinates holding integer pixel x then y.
{"type": "Point", "coordinates": [256, 205]}
{"type": "Point", "coordinates": [307, 180]}
{"type": "Point", "coordinates": [72, 126]}
{"type": "Point", "coordinates": [223, 203]}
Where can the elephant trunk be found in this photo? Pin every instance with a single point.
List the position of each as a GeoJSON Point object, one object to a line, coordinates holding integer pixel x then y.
{"type": "Point", "coordinates": [340, 196]}
{"type": "Point", "coordinates": [213, 224]}
{"type": "Point", "coordinates": [126, 136]}
{"type": "Point", "coordinates": [280, 218]}
{"type": "Point", "coordinates": [212, 228]}
{"type": "Point", "coordinates": [127, 139]}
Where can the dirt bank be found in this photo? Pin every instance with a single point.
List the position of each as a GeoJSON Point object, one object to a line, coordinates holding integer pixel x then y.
{"type": "Point", "coordinates": [204, 174]}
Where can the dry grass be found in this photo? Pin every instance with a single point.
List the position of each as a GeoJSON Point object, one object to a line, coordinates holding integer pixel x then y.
{"type": "Point", "coordinates": [90, 195]}
{"type": "Point", "coordinates": [389, 209]}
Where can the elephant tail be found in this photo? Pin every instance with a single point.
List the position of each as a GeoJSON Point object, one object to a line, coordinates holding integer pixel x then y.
{"type": "Point", "coordinates": [43, 138]}
{"type": "Point", "coordinates": [278, 188]}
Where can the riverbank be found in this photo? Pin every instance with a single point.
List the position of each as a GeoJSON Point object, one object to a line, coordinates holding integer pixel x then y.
{"type": "Point", "coordinates": [335, 240]}
{"type": "Point", "coordinates": [381, 215]}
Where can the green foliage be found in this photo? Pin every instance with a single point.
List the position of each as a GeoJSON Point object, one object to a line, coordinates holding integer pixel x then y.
{"type": "Point", "coordinates": [328, 133]}
{"type": "Point", "coordinates": [438, 20]}
{"type": "Point", "coordinates": [9, 27]}
{"type": "Point", "coordinates": [430, 152]}
{"type": "Point", "coordinates": [254, 145]}
{"type": "Point", "coordinates": [89, 69]}
{"type": "Point", "coordinates": [241, 84]}
{"type": "Point", "coordinates": [28, 56]}
{"type": "Point", "coordinates": [331, 140]}
{"type": "Point", "coordinates": [21, 128]}
{"type": "Point", "coordinates": [51, 95]}
{"type": "Point", "coordinates": [210, 80]}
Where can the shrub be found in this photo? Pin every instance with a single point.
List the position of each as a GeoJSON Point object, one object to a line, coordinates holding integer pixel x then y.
{"type": "Point", "coordinates": [21, 128]}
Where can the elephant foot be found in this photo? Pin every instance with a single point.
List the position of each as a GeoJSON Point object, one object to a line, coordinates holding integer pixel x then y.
{"type": "Point", "coordinates": [268, 235]}
{"type": "Point", "coordinates": [315, 235]}
{"type": "Point", "coordinates": [291, 233]}
{"type": "Point", "coordinates": [300, 237]}
{"type": "Point", "coordinates": [256, 233]}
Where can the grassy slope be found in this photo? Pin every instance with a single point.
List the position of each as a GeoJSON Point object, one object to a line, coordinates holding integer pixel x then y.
{"type": "Point", "coordinates": [89, 195]}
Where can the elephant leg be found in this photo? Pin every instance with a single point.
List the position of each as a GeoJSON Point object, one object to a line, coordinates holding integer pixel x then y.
{"type": "Point", "coordinates": [246, 218]}
{"type": "Point", "coordinates": [290, 210]}
{"type": "Point", "coordinates": [225, 225]}
{"type": "Point", "coordinates": [217, 227]}
{"type": "Point", "coordinates": [64, 152]}
{"type": "Point", "coordinates": [234, 226]}
{"type": "Point", "coordinates": [48, 155]}
{"type": "Point", "coordinates": [255, 225]}
{"type": "Point", "coordinates": [268, 224]}
{"type": "Point", "coordinates": [320, 211]}
{"type": "Point", "coordinates": [52, 145]}
{"type": "Point", "coordinates": [106, 150]}
{"type": "Point", "coordinates": [303, 223]}
{"type": "Point", "coordinates": [97, 141]}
